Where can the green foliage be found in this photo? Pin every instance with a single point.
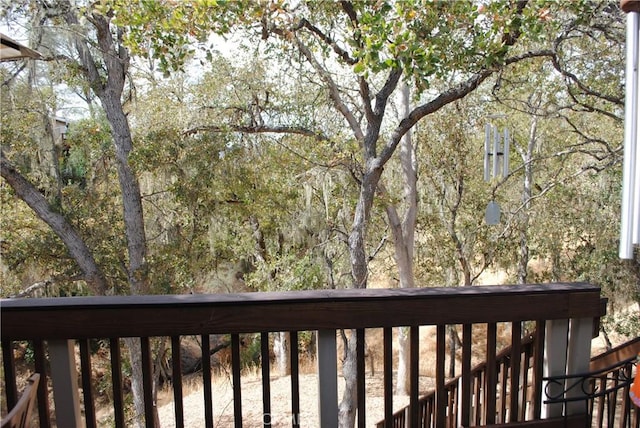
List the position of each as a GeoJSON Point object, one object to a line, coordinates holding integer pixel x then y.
{"type": "Point", "coordinates": [167, 30]}
{"type": "Point", "coordinates": [250, 353]}
{"type": "Point", "coordinates": [211, 188]}
{"type": "Point", "coordinates": [426, 38]}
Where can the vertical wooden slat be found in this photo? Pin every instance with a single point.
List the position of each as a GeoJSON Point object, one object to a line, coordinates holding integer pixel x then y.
{"type": "Point", "coordinates": [176, 380]}
{"type": "Point", "coordinates": [64, 380]}
{"type": "Point", "coordinates": [527, 353]}
{"type": "Point", "coordinates": [237, 386]}
{"type": "Point", "coordinates": [360, 379]}
{"type": "Point", "coordinates": [9, 365]}
{"type": "Point", "coordinates": [414, 358]}
{"type": "Point", "coordinates": [427, 416]}
{"type": "Point", "coordinates": [538, 366]}
{"type": "Point", "coordinates": [465, 418]}
{"type": "Point", "coordinates": [327, 366]}
{"type": "Point", "coordinates": [602, 387]}
{"type": "Point", "coordinates": [85, 367]}
{"type": "Point", "coordinates": [626, 400]}
{"type": "Point", "coordinates": [479, 402]}
{"type": "Point", "coordinates": [491, 378]}
{"type": "Point", "coordinates": [116, 381]}
{"type": "Point", "coordinates": [266, 379]}
{"type": "Point", "coordinates": [147, 381]}
{"type": "Point", "coordinates": [514, 384]}
{"type": "Point", "coordinates": [295, 380]}
{"type": "Point", "coordinates": [388, 376]}
{"type": "Point", "coordinates": [206, 380]}
{"type": "Point", "coordinates": [441, 399]}
{"type": "Point", "coordinates": [44, 410]}
{"type": "Point", "coordinates": [613, 398]}
{"type": "Point", "coordinates": [504, 386]}
{"type": "Point", "coordinates": [452, 405]}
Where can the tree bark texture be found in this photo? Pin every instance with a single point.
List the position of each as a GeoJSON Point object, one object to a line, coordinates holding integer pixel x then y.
{"type": "Point", "coordinates": [115, 59]}
{"type": "Point", "coordinates": [59, 224]}
{"type": "Point", "coordinates": [403, 236]}
{"type": "Point", "coordinates": [281, 351]}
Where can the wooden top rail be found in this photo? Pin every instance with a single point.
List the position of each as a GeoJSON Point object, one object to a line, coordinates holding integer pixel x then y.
{"type": "Point", "coordinates": [154, 315]}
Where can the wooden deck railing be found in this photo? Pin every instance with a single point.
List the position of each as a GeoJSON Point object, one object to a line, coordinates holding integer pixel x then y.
{"type": "Point", "coordinates": [563, 313]}
{"type": "Point", "coordinates": [485, 409]}
{"type": "Point", "coordinates": [606, 390]}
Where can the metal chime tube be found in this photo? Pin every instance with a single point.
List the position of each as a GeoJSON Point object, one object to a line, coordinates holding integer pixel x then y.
{"type": "Point", "coordinates": [630, 224]}
{"type": "Point", "coordinates": [496, 151]}
{"type": "Point", "coordinates": [505, 149]}
{"type": "Point", "coordinates": [487, 149]}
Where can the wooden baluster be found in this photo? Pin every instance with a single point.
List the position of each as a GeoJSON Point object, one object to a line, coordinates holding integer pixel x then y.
{"type": "Point", "coordinates": [414, 358]}
{"type": "Point", "coordinates": [538, 367]}
{"type": "Point", "coordinates": [176, 381]}
{"type": "Point", "coordinates": [514, 381]}
{"type": "Point", "coordinates": [360, 381]}
{"type": "Point", "coordinates": [44, 410]}
{"type": "Point", "coordinates": [479, 402]}
{"type": "Point", "coordinates": [237, 386]}
{"type": "Point", "coordinates": [504, 382]}
{"type": "Point", "coordinates": [465, 417]}
{"type": "Point", "coordinates": [64, 377]}
{"type": "Point", "coordinates": [327, 378]}
{"type": "Point", "coordinates": [441, 398]}
{"type": "Point", "coordinates": [116, 381]}
{"type": "Point", "coordinates": [388, 376]}
{"type": "Point", "coordinates": [87, 393]}
{"type": "Point", "coordinates": [206, 380]}
{"type": "Point", "coordinates": [147, 381]}
{"type": "Point", "coordinates": [295, 380]}
{"type": "Point", "coordinates": [491, 378]}
{"type": "Point", "coordinates": [266, 379]}
{"type": "Point", "coordinates": [9, 365]}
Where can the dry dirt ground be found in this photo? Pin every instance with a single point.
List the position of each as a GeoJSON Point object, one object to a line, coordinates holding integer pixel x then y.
{"type": "Point", "coordinates": [281, 392]}
{"type": "Point", "coordinates": [280, 402]}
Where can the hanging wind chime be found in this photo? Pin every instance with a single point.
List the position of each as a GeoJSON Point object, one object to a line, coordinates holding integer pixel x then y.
{"type": "Point", "coordinates": [496, 164]}
{"type": "Point", "coordinates": [630, 222]}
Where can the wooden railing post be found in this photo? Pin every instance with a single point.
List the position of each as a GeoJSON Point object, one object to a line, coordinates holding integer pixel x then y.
{"type": "Point", "coordinates": [328, 379]}
{"type": "Point", "coordinates": [579, 355]}
{"type": "Point", "coordinates": [555, 363]}
{"type": "Point", "coordinates": [64, 378]}
{"type": "Point", "coordinates": [567, 353]}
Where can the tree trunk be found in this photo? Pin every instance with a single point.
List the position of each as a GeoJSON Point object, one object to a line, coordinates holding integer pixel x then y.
{"type": "Point", "coordinates": [349, 403]}
{"type": "Point", "coordinates": [404, 237]}
{"type": "Point", "coordinates": [115, 59]}
{"type": "Point", "coordinates": [60, 226]}
{"type": "Point", "coordinates": [359, 271]}
{"type": "Point", "coordinates": [403, 381]}
{"type": "Point", "coordinates": [132, 345]}
{"type": "Point", "coordinates": [281, 351]}
{"type": "Point", "coordinates": [131, 198]}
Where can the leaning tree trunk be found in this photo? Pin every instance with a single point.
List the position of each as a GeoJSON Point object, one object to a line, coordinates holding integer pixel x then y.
{"type": "Point", "coordinates": [404, 237]}
{"type": "Point", "coordinates": [58, 223]}
{"type": "Point", "coordinates": [114, 57]}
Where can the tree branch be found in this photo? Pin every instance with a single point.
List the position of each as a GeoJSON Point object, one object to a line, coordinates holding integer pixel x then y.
{"type": "Point", "coordinates": [60, 226]}
{"type": "Point", "coordinates": [258, 129]}
{"type": "Point", "coordinates": [334, 92]}
{"type": "Point", "coordinates": [344, 55]}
